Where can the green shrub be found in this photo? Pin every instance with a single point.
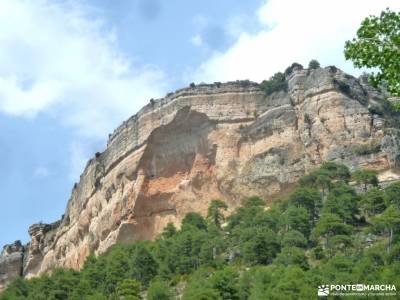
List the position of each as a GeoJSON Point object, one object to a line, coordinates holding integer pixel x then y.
{"type": "Point", "coordinates": [366, 149]}
{"type": "Point", "coordinates": [128, 288]}
{"type": "Point", "coordinates": [314, 64]}
{"type": "Point", "coordinates": [159, 290]}
{"type": "Point", "coordinates": [275, 84]}
{"type": "Point", "coordinates": [376, 110]}
{"type": "Point", "coordinates": [217, 84]}
{"type": "Point", "coordinates": [342, 86]}
{"type": "Point", "coordinates": [289, 70]}
{"type": "Point", "coordinates": [366, 177]}
{"type": "Point", "coordinates": [307, 119]}
{"type": "Point", "coordinates": [332, 69]}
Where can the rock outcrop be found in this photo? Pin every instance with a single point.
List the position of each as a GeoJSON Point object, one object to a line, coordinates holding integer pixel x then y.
{"type": "Point", "coordinates": [11, 262]}
{"type": "Point", "coordinates": [225, 141]}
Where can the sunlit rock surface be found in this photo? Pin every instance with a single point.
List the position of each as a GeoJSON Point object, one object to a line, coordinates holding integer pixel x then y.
{"type": "Point", "coordinates": [225, 141]}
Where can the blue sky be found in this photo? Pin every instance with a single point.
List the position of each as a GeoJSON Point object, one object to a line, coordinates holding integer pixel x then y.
{"type": "Point", "coordinates": [71, 71]}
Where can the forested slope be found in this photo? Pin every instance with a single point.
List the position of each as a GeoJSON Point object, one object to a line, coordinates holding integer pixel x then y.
{"type": "Point", "coordinates": [324, 232]}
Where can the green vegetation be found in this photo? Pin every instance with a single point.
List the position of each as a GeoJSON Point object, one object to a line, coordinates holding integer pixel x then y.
{"type": "Point", "coordinates": [159, 290]}
{"type": "Point", "coordinates": [294, 66]}
{"type": "Point", "coordinates": [324, 232]}
{"type": "Point", "coordinates": [378, 46]}
{"type": "Point", "coordinates": [390, 111]}
{"type": "Point", "coordinates": [366, 149]}
{"type": "Point", "coordinates": [275, 84]}
{"type": "Point", "coordinates": [344, 88]}
{"type": "Point", "coordinates": [366, 177]}
{"type": "Point", "coordinates": [313, 64]}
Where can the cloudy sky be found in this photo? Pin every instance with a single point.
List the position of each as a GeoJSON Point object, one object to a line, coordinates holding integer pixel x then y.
{"type": "Point", "coordinates": [71, 71]}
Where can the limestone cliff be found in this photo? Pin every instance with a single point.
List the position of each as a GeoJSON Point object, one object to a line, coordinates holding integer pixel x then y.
{"type": "Point", "coordinates": [225, 141]}
{"type": "Point", "coordinates": [11, 262]}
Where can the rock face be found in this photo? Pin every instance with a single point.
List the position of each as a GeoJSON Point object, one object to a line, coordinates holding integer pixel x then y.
{"type": "Point", "coordinates": [225, 141]}
{"type": "Point", "coordinates": [11, 262]}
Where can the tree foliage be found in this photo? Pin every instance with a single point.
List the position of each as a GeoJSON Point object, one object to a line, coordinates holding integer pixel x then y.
{"type": "Point", "coordinates": [215, 214]}
{"type": "Point", "coordinates": [377, 45]}
{"type": "Point", "coordinates": [323, 231]}
{"type": "Point", "coordinates": [275, 84]}
{"type": "Point", "coordinates": [159, 290]}
{"type": "Point", "coordinates": [366, 177]}
{"type": "Point", "coordinates": [313, 64]}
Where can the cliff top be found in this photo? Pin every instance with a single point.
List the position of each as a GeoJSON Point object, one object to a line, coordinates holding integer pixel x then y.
{"type": "Point", "coordinates": [217, 88]}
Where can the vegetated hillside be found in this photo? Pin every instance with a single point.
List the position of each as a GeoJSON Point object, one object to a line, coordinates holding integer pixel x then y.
{"type": "Point", "coordinates": [324, 232]}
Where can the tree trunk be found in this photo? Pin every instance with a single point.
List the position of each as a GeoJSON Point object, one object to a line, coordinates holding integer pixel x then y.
{"type": "Point", "coordinates": [390, 239]}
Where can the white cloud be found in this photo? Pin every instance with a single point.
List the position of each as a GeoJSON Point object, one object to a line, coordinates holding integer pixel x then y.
{"type": "Point", "coordinates": [41, 172]}
{"type": "Point", "coordinates": [55, 58]}
{"type": "Point", "coordinates": [236, 24]}
{"type": "Point", "coordinates": [196, 40]}
{"type": "Point", "coordinates": [293, 31]}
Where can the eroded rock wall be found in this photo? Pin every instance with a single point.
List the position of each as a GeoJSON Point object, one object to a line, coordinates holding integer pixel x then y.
{"type": "Point", "coordinates": [225, 141]}
{"type": "Point", "coordinates": [11, 262]}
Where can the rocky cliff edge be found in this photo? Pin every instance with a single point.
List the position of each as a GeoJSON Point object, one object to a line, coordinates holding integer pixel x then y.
{"type": "Point", "coordinates": [209, 141]}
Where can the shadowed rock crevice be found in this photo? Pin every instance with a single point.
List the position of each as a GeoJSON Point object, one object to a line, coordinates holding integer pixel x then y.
{"type": "Point", "coordinates": [168, 161]}
{"type": "Point", "coordinates": [172, 148]}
